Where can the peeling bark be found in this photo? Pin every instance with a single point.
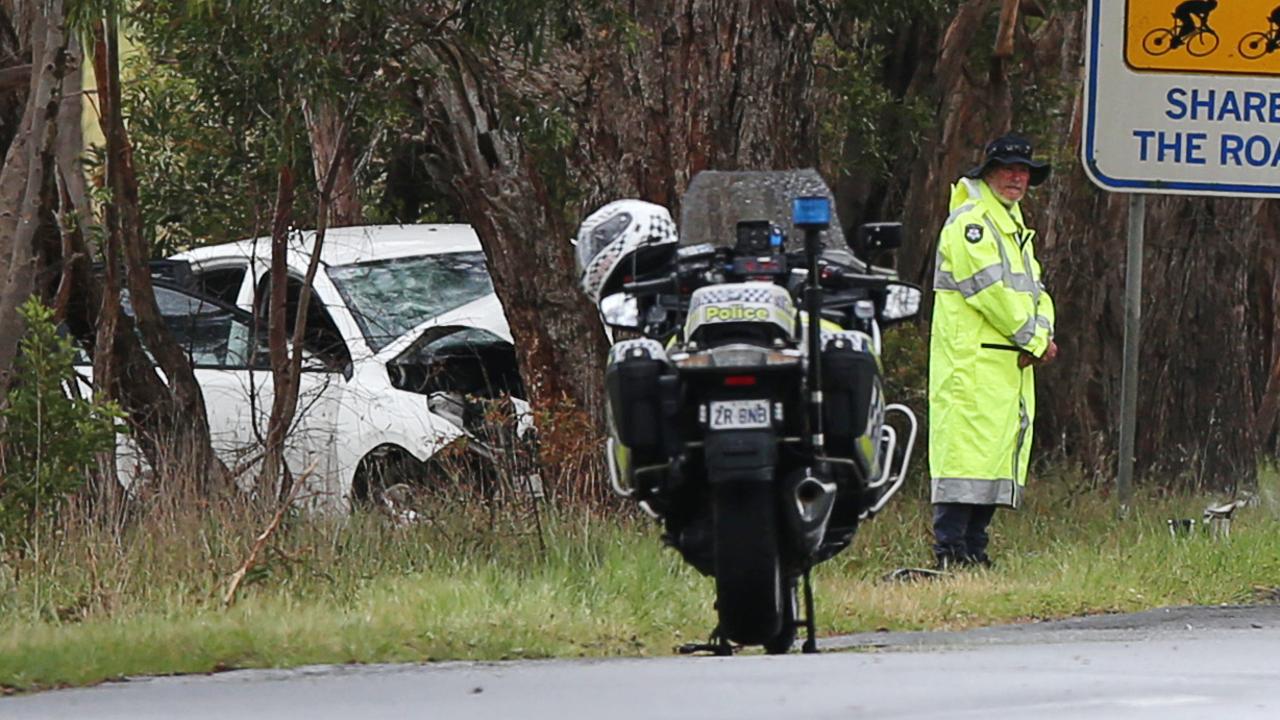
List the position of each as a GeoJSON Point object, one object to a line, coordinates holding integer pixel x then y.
{"type": "Point", "coordinates": [1008, 27]}
{"type": "Point", "coordinates": [26, 184]}
{"type": "Point", "coordinates": [79, 298]}
{"type": "Point", "coordinates": [325, 124]}
{"type": "Point", "coordinates": [71, 144]}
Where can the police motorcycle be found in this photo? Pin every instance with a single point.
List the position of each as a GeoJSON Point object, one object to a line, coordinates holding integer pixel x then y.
{"type": "Point", "coordinates": [757, 437]}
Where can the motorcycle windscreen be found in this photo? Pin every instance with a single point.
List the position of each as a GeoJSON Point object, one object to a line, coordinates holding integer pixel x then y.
{"type": "Point", "coordinates": [718, 200]}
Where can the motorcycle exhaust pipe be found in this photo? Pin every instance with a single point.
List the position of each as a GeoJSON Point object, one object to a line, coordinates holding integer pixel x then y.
{"type": "Point", "coordinates": [814, 499]}
{"type": "Point", "coordinates": [808, 509]}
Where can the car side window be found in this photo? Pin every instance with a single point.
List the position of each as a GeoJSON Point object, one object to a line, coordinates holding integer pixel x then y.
{"type": "Point", "coordinates": [320, 338]}
{"type": "Point", "coordinates": [222, 283]}
{"type": "Point", "coordinates": [211, 335]}
{"type": "Point", "coordinates": [206, 330]}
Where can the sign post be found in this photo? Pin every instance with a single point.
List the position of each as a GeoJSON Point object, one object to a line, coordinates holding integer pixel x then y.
{"type": "Point", "coordinates": [1132, 333]}
{"type": "Point", "coordinates": [1181, 97]}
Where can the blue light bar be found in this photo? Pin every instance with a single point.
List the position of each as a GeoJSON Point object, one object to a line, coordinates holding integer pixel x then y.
{"type": "Point", "coordinates": [811, 212]}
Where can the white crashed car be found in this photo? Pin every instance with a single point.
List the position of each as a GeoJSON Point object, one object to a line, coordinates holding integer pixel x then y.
{"type": "Point", "coordinates": [402, 328]}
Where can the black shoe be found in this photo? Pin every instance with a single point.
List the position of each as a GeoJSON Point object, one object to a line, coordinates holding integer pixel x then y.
{"type": "Point", "coordinates": [979, 560]}
{"type": "Point", "coordinates": [944, 562]}
{"type": "Point", "coordinates": [947, 561]}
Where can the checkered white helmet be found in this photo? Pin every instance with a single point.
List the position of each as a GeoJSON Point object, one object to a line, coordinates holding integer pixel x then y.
{"type": "Point", "coordinates": [619, 238]}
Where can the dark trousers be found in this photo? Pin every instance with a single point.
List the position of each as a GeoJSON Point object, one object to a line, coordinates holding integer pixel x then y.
{"type": "Point", "coordinates": [960, 532]}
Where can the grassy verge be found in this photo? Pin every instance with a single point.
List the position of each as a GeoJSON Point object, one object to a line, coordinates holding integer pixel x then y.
{"type": "Point", "coordinates": [98, 605]}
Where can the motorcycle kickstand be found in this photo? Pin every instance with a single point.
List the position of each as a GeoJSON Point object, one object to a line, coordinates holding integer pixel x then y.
{"type": "Point", "coordinates": [810, 624]}
{"type": "Point", "coordinates": [717, 645]}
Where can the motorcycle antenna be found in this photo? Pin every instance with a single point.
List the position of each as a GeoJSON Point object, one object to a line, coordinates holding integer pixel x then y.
{"type": "Point", "coordinates": [812, 214]}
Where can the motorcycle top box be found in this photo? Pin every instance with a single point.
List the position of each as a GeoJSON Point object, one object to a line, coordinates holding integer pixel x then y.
{"type": "Point", "coordinates": [747, 312]}
{"type": "Point", "coordinates": [750, 418]}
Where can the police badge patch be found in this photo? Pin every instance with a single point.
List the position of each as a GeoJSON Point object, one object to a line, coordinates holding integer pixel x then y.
{"type": "Point", "coordinates": [973, 233]}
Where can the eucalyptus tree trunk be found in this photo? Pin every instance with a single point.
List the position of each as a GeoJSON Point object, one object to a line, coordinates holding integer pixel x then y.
{"type": "Point", "coordinates": [186, 424]}
{"type": "Point", "coordinates": [639, 112]}
{"type": "Point", "coordinates": [724, 86]}
{"type": "Point", "coordinates": [330, 154]}
{"type": "Point", "coordinates": [525, 231]}
{"type": "Point", "coordinates": [27, 183]}
{"type": "Point", "coordinates": [275, 479]}
{"type": "Point", "coordinates": [15, 67]}
{"type": "Point", "coordinates": [71, 171]}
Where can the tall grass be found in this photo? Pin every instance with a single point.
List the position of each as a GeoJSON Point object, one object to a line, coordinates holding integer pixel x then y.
{"type": "Point", "coordinates": [480, 582]}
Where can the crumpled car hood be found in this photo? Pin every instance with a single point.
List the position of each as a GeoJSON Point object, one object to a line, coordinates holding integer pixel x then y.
{"type": "Point", "coordinates": [484, 313]}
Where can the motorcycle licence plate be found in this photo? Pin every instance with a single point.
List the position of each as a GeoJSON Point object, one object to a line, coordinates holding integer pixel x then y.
{"type": "Point", "coordinates": [738, 414]}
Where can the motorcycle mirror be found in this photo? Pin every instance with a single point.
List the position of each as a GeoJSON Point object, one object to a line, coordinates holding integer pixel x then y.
{"type": "Point", "coordinates": [901, 302]}
{"type": "Point", "coordinates": [620, 310]}
{"type": "Point", "coordinates": [872, 239]}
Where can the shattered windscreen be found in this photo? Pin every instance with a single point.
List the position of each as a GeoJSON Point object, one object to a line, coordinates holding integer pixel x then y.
{"type": "Point", "coordinates": [717, 201]}
{"type": "Point", "coordinates": [391, 297]}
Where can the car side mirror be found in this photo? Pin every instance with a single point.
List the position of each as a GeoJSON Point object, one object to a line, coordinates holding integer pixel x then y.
{"type": "Point", "coordinates": [901, 302]}
{"type": "Point", "coordinates": [620, 310]}
{"type": "Point", "coordinates": [873, 239]}
{"type": "Point", "coordinates": [312, 362]}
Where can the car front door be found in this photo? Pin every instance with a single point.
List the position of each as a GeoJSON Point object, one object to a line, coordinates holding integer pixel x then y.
{"type": "Point", "coordinates": [312, 436]}
{"type": "Point", "coordinates": [217, 339]}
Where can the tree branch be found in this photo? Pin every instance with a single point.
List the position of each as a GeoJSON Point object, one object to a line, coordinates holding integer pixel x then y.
{"type": "Point", "coordinates": [14, 77]}
{"type": "Point", "coordinates": [1008, 26]}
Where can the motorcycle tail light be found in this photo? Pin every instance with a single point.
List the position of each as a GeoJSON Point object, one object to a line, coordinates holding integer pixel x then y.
{"type": "Point", "coordinates": [736, 356]}
{"type": "Point", "coordinates": [739, 380]}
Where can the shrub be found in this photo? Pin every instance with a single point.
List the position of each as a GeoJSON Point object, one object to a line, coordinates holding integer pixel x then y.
{"type": "Point", "coordinates": [50, 436]}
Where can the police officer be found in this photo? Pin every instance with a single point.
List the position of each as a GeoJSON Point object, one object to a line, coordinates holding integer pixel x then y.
{"type": "Point", "coordinates": [992, 325]}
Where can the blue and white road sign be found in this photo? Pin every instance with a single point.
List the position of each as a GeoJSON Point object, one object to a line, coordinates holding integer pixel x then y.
{"type": "Point", "coordinates": [1183, 97]}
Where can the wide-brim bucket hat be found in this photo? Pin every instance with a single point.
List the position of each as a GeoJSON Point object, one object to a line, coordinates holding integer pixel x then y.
{"type": "Point", "coordinates": [1012, 149]}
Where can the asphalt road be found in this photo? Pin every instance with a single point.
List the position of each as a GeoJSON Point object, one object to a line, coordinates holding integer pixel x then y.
{"type": "Point", "coordinates": [1177, 663]}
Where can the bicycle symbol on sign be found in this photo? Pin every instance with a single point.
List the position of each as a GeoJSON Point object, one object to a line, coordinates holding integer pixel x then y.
{"type": "Point", "coordinates": [1256, 44]}
{"type": "Point", "coordinates": [1190, 29]}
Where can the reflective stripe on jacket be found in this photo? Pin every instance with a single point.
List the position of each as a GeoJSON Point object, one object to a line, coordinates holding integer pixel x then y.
{"type": "Point", "coordinates": [989, 307]}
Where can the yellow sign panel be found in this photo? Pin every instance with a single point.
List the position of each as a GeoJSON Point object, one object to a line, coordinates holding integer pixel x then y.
{"type": "Point", "coordinates": [1203, 36]}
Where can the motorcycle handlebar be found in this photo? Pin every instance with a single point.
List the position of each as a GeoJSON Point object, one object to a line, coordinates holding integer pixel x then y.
{"type": "Point", "coordinates": [688, 274]}
{"type": "Point", "coordinates": [645, 287]}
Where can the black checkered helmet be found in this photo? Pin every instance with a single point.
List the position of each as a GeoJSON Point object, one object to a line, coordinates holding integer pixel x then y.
{"type": "Point", "coordinates": [619, 240]}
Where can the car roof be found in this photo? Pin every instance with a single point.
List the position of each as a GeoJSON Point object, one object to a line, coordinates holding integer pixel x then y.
{"type": "Point", "coordinates": [348, 245]}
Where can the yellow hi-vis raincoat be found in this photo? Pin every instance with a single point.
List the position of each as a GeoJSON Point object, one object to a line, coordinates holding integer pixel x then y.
{"type": "Point", "coordinates": [989, 307]}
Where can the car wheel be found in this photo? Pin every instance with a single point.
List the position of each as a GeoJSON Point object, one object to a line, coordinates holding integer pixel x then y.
{"type": "Point", "coordinates": [390, 481]}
